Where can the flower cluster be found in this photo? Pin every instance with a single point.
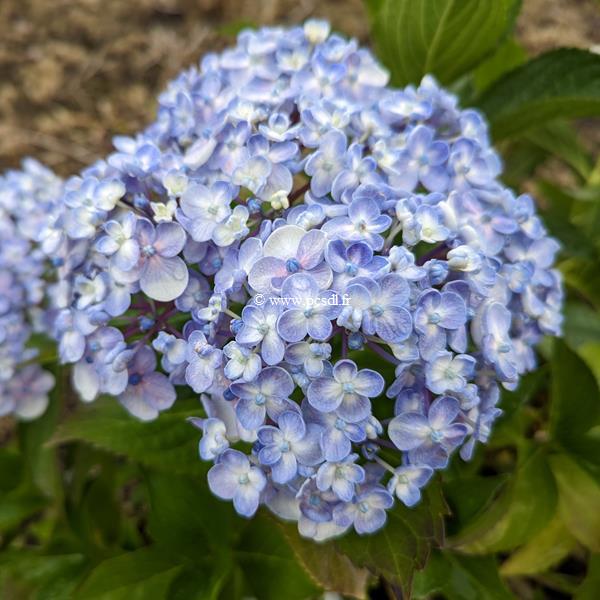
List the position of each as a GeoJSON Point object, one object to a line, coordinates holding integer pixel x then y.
{"type": "Point", "coordinates": [288, 225]}
{"type": "Point", "coordinates": [29, 200]}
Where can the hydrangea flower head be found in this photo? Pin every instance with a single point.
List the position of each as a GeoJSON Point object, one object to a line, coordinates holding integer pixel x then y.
{"type": "Point", "coordinates": [288, 225]}
{"type": "Point", "coordinates": [29, 223]}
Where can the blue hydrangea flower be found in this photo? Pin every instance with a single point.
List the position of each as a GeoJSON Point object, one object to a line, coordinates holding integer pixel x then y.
{"type": "Point", "coordinates": [162, 274]}
{"type": "Point", "coordinates": [347, 391]}
{"type": "Point", "coordinates": [259, 326]}
{"type": "Point", "coordinates": [406, 483]}
{"type": "Point", "coordinates": [268, 395]}
{"type": "Point", "coordinates": [366, 512]}
{"type": "Point", "coordinates": [287, 209]}
{"type": "Point", "coordinates": [449, 373]}
{"type": "Point", "coordinates": [327, 162]}
{"type": "Point", "coordinates": [234, 478]}
{"type": "Point", "coordinates": [147, 392]}
{"type": "Point", "coordinates": [341, 477]}
{"type": "Point", "coordinates": [423, 161]}
{"type": "Point", "coordinates": [315, 313]}
{"type": "Point", "coordinates": [363, 223]}
{"type": "Point", "coordinates": [291, 443]}
{"type": "Point", "coordinates": [429, 439]}
{"type": "Point", "coordinates": [289, 250]}
{"type": "Point", "coordinates": [202, 360]}
{"type": "Point", "coordinates": [436, 314]}
{"type": "Point", "coordinates": [214, 439]}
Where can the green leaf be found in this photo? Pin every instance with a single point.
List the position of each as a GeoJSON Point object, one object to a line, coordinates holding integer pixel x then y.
{"type": "Point", "coordinates": [524, 507]}
{"type": "Point", "coordinates": [465, 507]}
{"type": "Point", "coordinates": [41, 463]}
{"type": "Point", "coordinates": [588, 590]}
{"type": "Point", "coordinates": [330, 569]}
{"type": "Point", "coordinates": [542, 551]}
{"type": "Point", "coordinates": [446, 38]}
{"type": "Point", "coordinates": [562, 83]}
{"type": "Point", "coordinates": [507, 57]}
{"type": "Point", "coordinates": [196, 583]}
{"type": "Point", "coordinates": [403, 545]}
{"type": "Point", "coordinates": [457, 577]}
{"type": "Point", "coordinates": [18, 505]}
{"type": "Point", "coordinates": [575, 407]}
{"type": "Point", "coordinates": [521, 159]}
{"type": "Point", "coordinates": [168, 443]}
{"type": "Point", "coordinates": [579, 499]}
{"type": "Point", "coordinates": [557, 216]}
{"type": "Point", "coordinates": [179, 517]}
{"type": "Point", "coordinates": [11, 470]}
{"type": "Point", "coordinates": [560, 139]}
{"type": "Point", "coordinates": [246, 557]}
{"type": "Point", "coordinates": [582, 334]}
{"type": "Point", "coordinates": [50, 576]}
{"type": "Point", "coordinates": [267, 565]}
{"type": "Point", "coordinates": [145, 574]}
{"type": "Point", "coordinates": [583, 275]}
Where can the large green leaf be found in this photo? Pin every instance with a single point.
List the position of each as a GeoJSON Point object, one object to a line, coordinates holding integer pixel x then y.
{"type": "Point", "coordinates": [579, 499]}
{"type": "Point", "coordinates": [19, 504]}
{"type": "Point", "coordinates": [507, 57]}
{"type": "Point", "coordinates": [591, 584]}
{"type": "Point", "coordinates": [575, 407]}
{"type": "Point", "coordinates": [169, 443]}
{"type": "Point", "coordinates": [583, 276]}
{"type": "Point", "coordinates": [562, 83]}
{"type": "Point", "coordinates": [457, 577]}
{"type": "Point", "coordinates": [582, 334]}
{"type": "Point", "coordinates": [542, 551]}
{"type": "Point", "coordinates": [465, 507]}
{"type": "Point", "coordinates": [145, 574]}
{"type": "Point", "coordinates": [401, 547]}
{"type": "Point", "coordinates": [40, 575]}
{"type": "Point", "coordinates": [187, 519]}
{"type": "Point", "coordinates": [560, 139]}
{"type": "Point", "coordinates": [247, 558]}
{"type": "Point", "coordinates": [446, 38]}
{"type": "Point", "coordinates": [267, 565]}
{"type": "Point", "coordinates": [524, 507]}
{"type": "Point", "coordinates": [331, 570]}
{"type": "Point", "coordinates": [557, 216]}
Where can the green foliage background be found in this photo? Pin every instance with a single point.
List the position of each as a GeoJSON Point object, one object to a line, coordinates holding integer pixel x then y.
{"type": "Point", "coordinates": [94, 504]}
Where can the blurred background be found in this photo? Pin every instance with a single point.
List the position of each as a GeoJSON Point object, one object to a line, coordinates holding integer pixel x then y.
{"type": "Point", "coordinates": [73, 73]}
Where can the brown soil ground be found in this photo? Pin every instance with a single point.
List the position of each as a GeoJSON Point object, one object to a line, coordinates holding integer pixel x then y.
{"type": "Point", "coordinates": [75, 72]}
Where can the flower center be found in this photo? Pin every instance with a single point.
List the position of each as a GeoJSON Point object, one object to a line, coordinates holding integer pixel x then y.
{"type": "Point", "coordinates": [348, 388]}
{"type": "Point", "coordinates": [148, 250]}
{"type": "Point", "coordinates": [260, 399]}
{"type": "Point", "coordinates": [376, 310]}
{"type": "Point", "coordinates": [351, 269]}
{"type": "Point", "coordinates": [436, 436]}
{"type": "Point", "coordinates": [135, 378]}
{"type": "Point", "coordinates": [292, 265]}
{"type": "Point", "coordinates": [435, 318]}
